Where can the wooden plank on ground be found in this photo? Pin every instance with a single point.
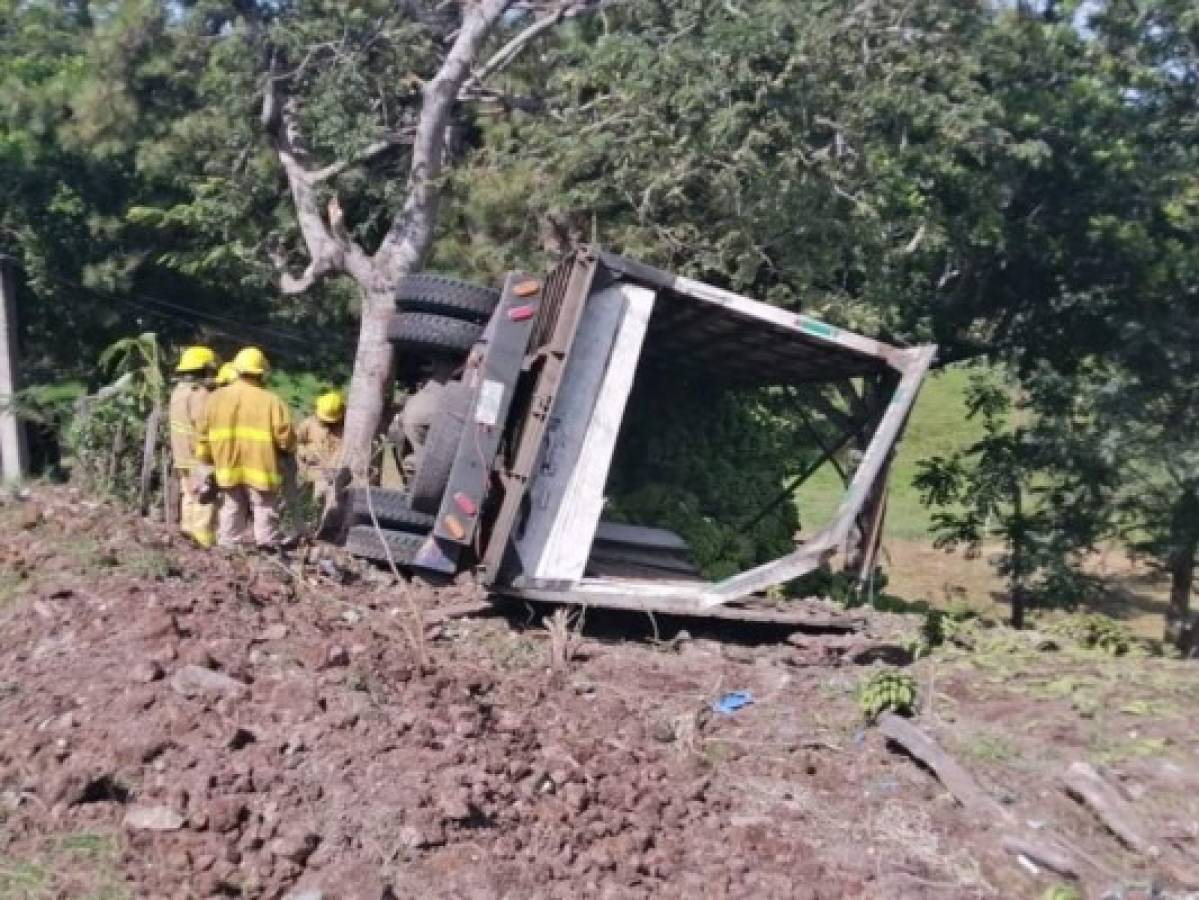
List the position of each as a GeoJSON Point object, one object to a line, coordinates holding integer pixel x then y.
{"type": "Point", "coordinates": [957, 780]}
{"type": "Point", "coordinates": [1117, 815]}
{"type": "Point", "coordinates": [693, 606]}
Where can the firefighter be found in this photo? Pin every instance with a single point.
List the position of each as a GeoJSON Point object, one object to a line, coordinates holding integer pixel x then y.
{"type": "Point", "coordinates": [413, 420]}
{"type": "Point", "coordinates": [318, 443]}
{"type": "Point", "coordinates": [245, 432]}
{"type": "Point", "coordinates": [197, 519]}
{"type": "Point", "coordinates": [225, 375]}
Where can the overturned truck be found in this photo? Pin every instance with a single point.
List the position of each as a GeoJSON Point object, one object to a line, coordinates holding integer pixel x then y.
{"type": "Point", "coordinates": [511, 475]}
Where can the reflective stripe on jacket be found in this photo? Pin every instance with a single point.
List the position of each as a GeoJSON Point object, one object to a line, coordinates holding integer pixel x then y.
{"type": "Point", "coordinates": [186, 413]}
{"type": "Point", "coordinates": [245, 429]}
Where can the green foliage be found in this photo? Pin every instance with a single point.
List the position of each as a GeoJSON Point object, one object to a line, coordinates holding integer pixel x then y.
{"type": "Point", "coordinates": [887, 690]}
{"type": "Point", "coordinates": [1001, 488]}
{"type": "Point", "coordinates": [1062, 892]}
{"type": "Point", "coordinates": [704, 462]}
{"type": "Point", "coordinates": [61, 864]}
{"type": "Point", "coordinates": [1094, 631]}
{"type": "Point", "coordinates": [142, 359]}
{"type": "Point", "coordinates": [299, 390]}
{"type": "Point", "coordinates": [105, 445]}
{"type": "Point", "coordinates": [973, 174]}
{"type": "Point", "coordinates": [938, 426]}
{"type": "Point", "coordinates": [105, 437]}
{"type": "Point", "coordinates": [952, 626]}
{"type": "Point", "coordinates": [840, 587]}
{"type": "Point", "coordinates": [48, 407]}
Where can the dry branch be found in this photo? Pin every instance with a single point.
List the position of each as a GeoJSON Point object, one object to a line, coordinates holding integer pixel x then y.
{"type": "Point", "coordinates": [1041, 847]}
{"type": "Point", "coordinates": [466, 609]}
{"type": "Point", "coordinates": [504, 57]}
{"type": "Point", "coordinates": [1044, 854]}
{"type": "Point", "coordinates": [957, 780]}
{"type": "Point", "coordinates": [1087, 786]}
{"type": "Point", "coordinates": [371, 151]}
{"type": "Point", "coordinates": [564, 628]}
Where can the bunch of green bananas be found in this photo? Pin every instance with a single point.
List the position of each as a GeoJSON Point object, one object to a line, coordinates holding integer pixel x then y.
{"type": "Point", "coordinates": [885, 690]}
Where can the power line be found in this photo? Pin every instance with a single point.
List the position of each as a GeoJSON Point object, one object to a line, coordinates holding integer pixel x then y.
{"type": "Point", "coordinates": [158, 307]}
{"type": "Point", "coordinates": [177, 317]}
{"type": "Point", "coordinates": [131, 297]}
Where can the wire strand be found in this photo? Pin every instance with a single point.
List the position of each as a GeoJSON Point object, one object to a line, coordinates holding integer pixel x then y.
{"type": "Point", "coordinates": [169, 311]}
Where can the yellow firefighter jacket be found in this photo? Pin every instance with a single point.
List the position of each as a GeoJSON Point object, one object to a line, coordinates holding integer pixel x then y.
{"type": "Point", "coordinates": [318, 447]}
{"type": "Point", "coordinates": [244, 431]}
{"type": "Point", "coordinates": [186, 413]}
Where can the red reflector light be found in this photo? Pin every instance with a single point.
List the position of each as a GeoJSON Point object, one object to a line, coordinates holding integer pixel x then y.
{"type": "Point", "coordinates": [465, 504]}
{"type": "Point", "coordinates": [520, 313]}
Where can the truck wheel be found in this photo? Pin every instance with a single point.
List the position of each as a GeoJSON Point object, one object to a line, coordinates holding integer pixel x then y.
{"type": "Point", "coordinates": [364, 541]}
{"type": "Point", "coordinates": [441, 446]}
{"type": "Point", "coordinates": [446, 297]}
{"type": "Point", "coordinates": [392, 509]}
{"type": "Point", "coordinates": [427, 334]}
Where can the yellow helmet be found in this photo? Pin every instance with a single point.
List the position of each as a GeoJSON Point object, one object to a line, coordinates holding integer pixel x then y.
{"type": "Point", "coordinates": [250, 361]}
{"type": "Point", "coordinates": [226, 374]}
{"type": "Point", "coordinates": [196, 359]}
{"type": "Point", "coordinates": [330, 407]}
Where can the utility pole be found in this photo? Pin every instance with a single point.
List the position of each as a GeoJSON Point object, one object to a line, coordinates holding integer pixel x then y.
{"type": "Point", "coordinates": [13, 450]}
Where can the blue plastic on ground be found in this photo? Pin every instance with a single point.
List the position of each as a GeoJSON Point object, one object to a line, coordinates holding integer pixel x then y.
{"type": "Point", "coordinates": [733, 701]}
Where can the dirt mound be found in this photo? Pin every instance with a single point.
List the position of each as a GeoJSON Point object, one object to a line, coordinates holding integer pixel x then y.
{"type": "Point", "coordinates": [247, 731]}
{"type": "Point", "coordinates": [188, 724]}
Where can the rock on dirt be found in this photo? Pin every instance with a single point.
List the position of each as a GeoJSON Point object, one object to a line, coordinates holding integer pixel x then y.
{"type": "Point", "coordinates": [336, 657]}
{"type": "Point", "coordinates": [146, 671]}
{"type": "Point", "coordinates": [197, 681]}
{"type": "Point", "coordinates": [306, 894]}
{"type": "Point", "coordinates": [153, 818]}
{"type": "Point", "coordinates": [296, 845]}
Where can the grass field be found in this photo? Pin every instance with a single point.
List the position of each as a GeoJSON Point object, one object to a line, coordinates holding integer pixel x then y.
{"type": "Point", "coordinates": [917, 570]}
{"type": "Point", "coordinates": [938, 426]}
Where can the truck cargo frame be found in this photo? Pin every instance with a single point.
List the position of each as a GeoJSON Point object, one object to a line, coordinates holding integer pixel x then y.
{"type": "Point", "coordinates": [558, 363]}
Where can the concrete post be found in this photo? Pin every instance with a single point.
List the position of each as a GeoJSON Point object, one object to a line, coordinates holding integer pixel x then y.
{"type": "Point", "coordinates": [13, 450]}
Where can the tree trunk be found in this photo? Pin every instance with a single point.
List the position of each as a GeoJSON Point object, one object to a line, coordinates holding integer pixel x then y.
{"type": "Point", "coordinates": [149, 458]}
{"type": "Point", "coordinates": [1017, 535]}
{"type": "Point", "coordinates": [1184, 541]}
{"type": "Point", "coordinates": [371, 384]}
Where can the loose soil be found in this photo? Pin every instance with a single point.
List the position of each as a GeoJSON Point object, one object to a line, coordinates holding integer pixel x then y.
{"type": "Point", "coordinates": [187, 724]}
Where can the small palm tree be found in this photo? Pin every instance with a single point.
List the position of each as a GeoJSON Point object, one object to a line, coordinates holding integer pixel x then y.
{"type": "Point", "coordinates": [141, 359]}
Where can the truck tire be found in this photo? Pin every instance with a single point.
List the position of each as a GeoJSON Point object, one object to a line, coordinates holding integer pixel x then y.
{"type": "Point", "coordinates": [365, 542]}
{"type": "Point", "coordinates": [441, 446]}
{"type": "Point", "coordinates": [392, 509]}
{"type": "Point", "coordinates": [446, 297]}
{"type": "Point", "coordinates": [426, 334]}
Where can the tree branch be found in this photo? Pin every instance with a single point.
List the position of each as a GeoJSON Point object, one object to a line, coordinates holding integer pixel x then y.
{"type": "Point", "coordinates": [570, 9]}
{"type": "Point", "coordinates": [326, 253]}
{"type": "Point", "coordinates": [369, 152]}
{"type": "Point", "coordinates": [411, 231]}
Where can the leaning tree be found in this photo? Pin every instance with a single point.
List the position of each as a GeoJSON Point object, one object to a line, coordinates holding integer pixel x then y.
{"type": "Point", "coordinates": [419, 122]}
